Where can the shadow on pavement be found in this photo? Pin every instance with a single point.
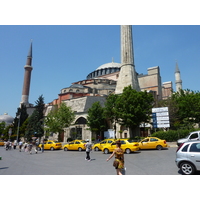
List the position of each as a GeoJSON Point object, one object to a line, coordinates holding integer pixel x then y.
{"type": "Point", "coordinates": [4, 168]}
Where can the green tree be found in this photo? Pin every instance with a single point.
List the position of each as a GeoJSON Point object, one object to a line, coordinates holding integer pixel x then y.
{"type": "Point", "coordinates": [59, 119]}
{"type": "Point", "coordinates": [110, 110]}
{"type": "Point", "coordinates": [36, 120]}
{"type": "Point", "coordinates": [188, 107]}
{"type": "Point", "coordinates": [21, 117]}
{"type": "Point", "coordinates": [96, 119]}
{"type": "Point", "coordinates": [134, 108]}
{"type": "Point", "coordinates": [2, 128]}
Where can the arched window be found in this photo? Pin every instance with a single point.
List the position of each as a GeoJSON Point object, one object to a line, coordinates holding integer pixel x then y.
{"type": "Point", "coordinates": [81, 120]}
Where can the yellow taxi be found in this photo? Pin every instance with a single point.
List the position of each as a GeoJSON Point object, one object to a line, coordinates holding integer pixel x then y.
{"type": "Point", "coordinates": [51, 144]}
{"type": "Point", "coordinates": [152, 143]}
{"type": "Point", "coordinates": [1, 143]}
{"type": "Point", "coordinates": [75, 145]}
{"type": "Point", "coordinates": [99, 146]}
{"type": "Point", "coordinates": [127, 145]}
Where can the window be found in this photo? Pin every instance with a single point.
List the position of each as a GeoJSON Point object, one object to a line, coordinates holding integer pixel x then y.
{"type": "Point", "coordinates": [185, 148]}
{"type": "Point", "coordinates": [103, 142]}
{"type": "Point", "coordinates": [77, 143]}
{"type": "Point", "coordinates": [195, 147]}
{"type": "Point", "coordinates": [153, 140]}
{"type": "Point", "coordinates": [110, 141]}
{"type": "Point", "coordinates": [123, 142]}
{"type": "Point", "coordinates": [49, 142]}
{"type": "Point", "coordinates": [194, 136]}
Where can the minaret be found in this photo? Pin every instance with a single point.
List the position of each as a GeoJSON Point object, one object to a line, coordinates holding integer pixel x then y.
{"type": "Point", "coordinates": [178, 80]}
{"type": "Point", "coordinates": [27, 78]}
{"type": "Point", "coordinates": [127, 75]}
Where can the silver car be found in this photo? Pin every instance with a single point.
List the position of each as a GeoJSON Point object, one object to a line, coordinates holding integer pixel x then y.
{"type": "Point", "coordinates": [188, 157]}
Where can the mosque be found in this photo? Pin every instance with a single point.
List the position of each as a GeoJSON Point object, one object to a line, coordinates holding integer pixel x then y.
{"type": "Point", "coordinates": [7, 119]}
{"type": "Point", "coordinates": [106, 79]}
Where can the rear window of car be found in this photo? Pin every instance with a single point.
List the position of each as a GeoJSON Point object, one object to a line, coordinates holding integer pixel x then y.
{"type": "Point", "coordinates": [185, 148]}
{"type": "Point", "coordinates": [195, 147]}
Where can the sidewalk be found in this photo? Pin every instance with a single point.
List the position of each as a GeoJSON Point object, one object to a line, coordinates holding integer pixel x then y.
{"type": "Point", "coordinates": [172, 144]}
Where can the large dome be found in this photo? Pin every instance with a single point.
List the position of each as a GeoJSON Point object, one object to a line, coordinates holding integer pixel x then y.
{"type": "Point", "coordinates": [105, 69]}
{"type": "Point", "coordinates": [6, 118]}
{"type": "Point", "coordinates": [109, 65]}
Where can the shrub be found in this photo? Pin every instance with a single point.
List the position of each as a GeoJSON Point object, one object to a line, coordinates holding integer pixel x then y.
{"type": "Point", "coordinates": [172, 135]}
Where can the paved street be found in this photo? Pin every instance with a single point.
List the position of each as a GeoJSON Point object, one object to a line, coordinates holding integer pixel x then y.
{"type": "Point", "coordinates": [144, 162]}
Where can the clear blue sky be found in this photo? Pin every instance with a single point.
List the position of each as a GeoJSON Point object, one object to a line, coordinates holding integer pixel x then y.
{"type": "Point", "coordinates": [68, 53]}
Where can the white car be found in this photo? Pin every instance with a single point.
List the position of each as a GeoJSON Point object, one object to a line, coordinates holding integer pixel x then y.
{"type": "Point", "coordinates": [191, 137]}
{"type": "Point", "coordinates": [188, 157]}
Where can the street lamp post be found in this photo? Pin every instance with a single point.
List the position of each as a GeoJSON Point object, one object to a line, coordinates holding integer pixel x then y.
{"type": "Point", "coordinates": [18, 128]}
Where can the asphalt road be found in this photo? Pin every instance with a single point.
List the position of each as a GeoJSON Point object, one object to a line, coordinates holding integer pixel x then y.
{"type": "Point", "coordinates": [59, 162]}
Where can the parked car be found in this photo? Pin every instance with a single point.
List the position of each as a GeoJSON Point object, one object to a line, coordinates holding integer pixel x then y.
{"type": "Point", "coordinates": [99, 146]}
{"type": "Point", "coordinates": [127, 145]}
{"type": "Point", "coordinates": [1, 143]}
{"type": "Point", "coordinates": [188, 157]}
{"type": "Point", "coordinates": [50, 144]}
{"type": "Point", "coordinates": [75, 145]}
{"type": "Point", "coordinates": [152, 143]}
{"type": "Point", "coordinates": [191, 136]}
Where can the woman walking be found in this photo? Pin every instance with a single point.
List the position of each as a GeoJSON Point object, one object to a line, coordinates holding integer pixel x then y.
{"type": "Point", "coordinates": [119, 158]}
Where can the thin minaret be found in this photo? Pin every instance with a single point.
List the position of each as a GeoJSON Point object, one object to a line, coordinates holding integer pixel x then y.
{"type": "Point", "coordinates": [127, 75]}
{"type": "Point", "coordinates": [27, 78]}
{"type": "Point", "coordinates": [178, 80]}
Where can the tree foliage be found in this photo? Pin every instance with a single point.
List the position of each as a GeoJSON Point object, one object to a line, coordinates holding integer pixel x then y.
{"type": "Point", "coordinates": [36, 121]}
{"type": "Point", "coordinates": [59, 119]}
{"type": "Point", "coordinates": [133, 107]}
{"type": "Point", "coordinates": [21, 117]}
{"type": "Point", "coordinates": [96, 119]}
{"type": "Point", "coordinates": [110, 110]}
{"type": "Point", "coordinates": [187, 104]}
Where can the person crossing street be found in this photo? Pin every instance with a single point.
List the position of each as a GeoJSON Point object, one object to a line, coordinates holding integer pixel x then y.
{"type": "Point", "coordinates": [88, 146]}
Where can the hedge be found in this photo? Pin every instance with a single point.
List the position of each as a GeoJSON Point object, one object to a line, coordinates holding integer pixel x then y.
{"type": "Point", "coordinates": [172, 135]}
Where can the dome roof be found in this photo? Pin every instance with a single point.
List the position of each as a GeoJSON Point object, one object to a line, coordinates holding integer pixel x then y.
{"type": "Point", "coordinates": [6, 118]}
{"type": "Point", "coordinates": [109, 65]}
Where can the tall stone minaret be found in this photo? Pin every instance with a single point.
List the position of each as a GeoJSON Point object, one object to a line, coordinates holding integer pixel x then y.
{"type": "Point", "coordinates": [127, 75]}
{"type": "Point", "coordinates": [27, 78]}
{"type": "Point", "coordinates": [178, 80]}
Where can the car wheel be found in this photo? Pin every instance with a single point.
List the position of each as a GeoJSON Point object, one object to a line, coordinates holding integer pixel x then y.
{"type": "Point", "coordinates": [51, 148]}
{"type": "Point", "coordinates": [128, 151]}
{"type": "Point", "coordinates": [96, 149]}
{"type": "Point", "coordinates": [106, 151]}
{"type": "Point", "coordinates": [65, 149]}
{"type": "Point", "coordinates": [159, 147]}
{"type": "Point", "coordinates": [187, 168]}
{"type": "Point", "coordinates": [80, 149]}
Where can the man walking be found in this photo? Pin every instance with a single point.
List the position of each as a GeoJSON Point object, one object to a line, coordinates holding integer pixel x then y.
{"type": "Point", "coordinates": [88, 146]}
{"type": "Point", "coordinates": [20, 145]}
